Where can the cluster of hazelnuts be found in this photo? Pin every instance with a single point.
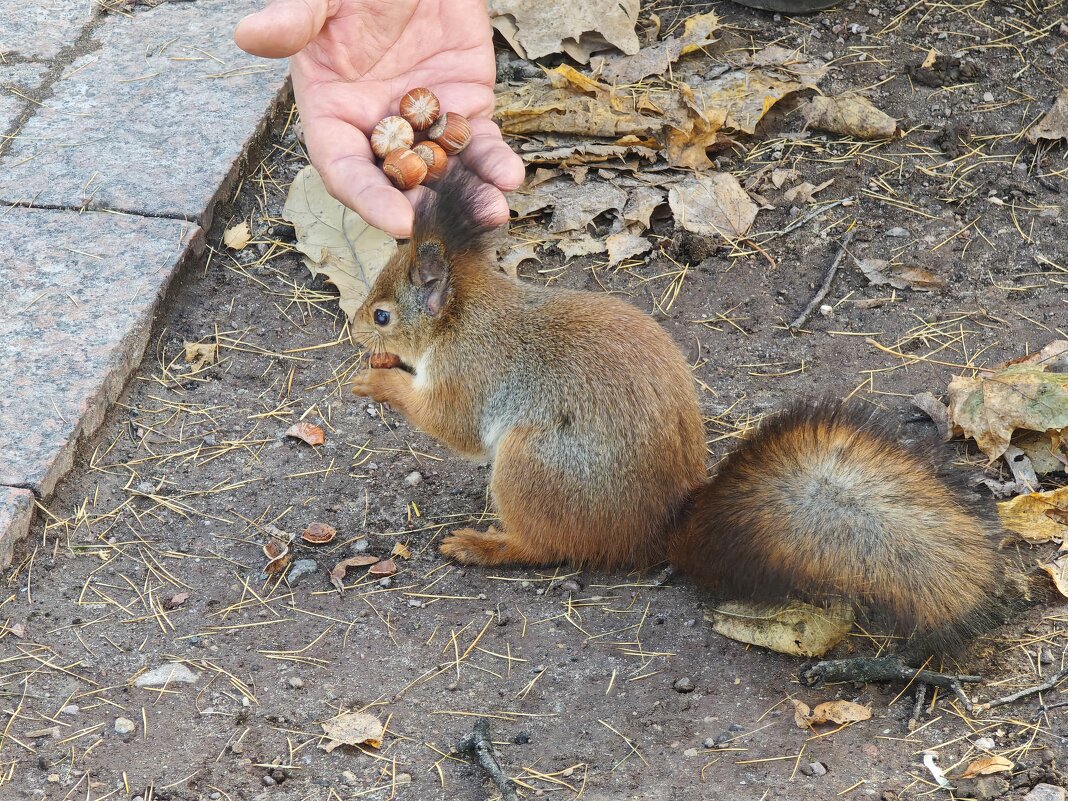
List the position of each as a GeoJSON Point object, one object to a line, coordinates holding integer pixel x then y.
{"type": "Point", "coordinates": [407, 164]}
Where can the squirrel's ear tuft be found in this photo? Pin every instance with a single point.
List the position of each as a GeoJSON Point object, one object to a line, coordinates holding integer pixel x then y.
{"type": "Point", "coordinates": [431, 272]}
{"type": "Point", "coordinates": [454, 215]}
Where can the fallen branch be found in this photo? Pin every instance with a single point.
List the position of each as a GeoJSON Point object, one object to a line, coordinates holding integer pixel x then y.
{"type": "Point", "coordinates": [478, 743]}
{"type": "Point", "coordinates": [884, 668]}
{"type": "Point", "coordinates": [828, 279]}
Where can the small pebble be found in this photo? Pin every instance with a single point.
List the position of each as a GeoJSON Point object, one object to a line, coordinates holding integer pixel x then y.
{"type": "Point", "coordinates": [818, 769]}
{"type": "Point", "coordinates": [361, 545]}
{"type": "Point", "coordinates": [709, 742]}
{"type": "Point", "coordinates": [268, 781]}
{"type": "Point", "coordinates": [571, 586]}
{"type": "Point", "coordinates": [124, 726]}
{"type": "Point", "coordinates": [70, 709]}
{"type": "Point", "coordinates": [826, 310]}
{"type": "Point", "coordinates": [897, 232]}
{"type": "Point", "coordinates": [300, 569]}
{"type": "Point", "coordinates": [413, 479]}
{"type": "Point", "coordinates": [385, 583]}
{"type": "Point", "coordinates": [1045, 657]}
{"type": "Point", "coordinates": [683, 685]}
{"type": "Point", "coordinates": [985, 743]}
{"type": "Point", "coordinates": [295, 682]}
{"type": "Point", "coordinates": [988, 97]}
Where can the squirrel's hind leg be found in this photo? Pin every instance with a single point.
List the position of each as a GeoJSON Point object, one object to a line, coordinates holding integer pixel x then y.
{"type": "Point", "coordinates": [490, 547]}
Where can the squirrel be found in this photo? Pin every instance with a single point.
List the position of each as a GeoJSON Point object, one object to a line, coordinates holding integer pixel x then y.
{"type": "Point", "coordinates": [589, 413]}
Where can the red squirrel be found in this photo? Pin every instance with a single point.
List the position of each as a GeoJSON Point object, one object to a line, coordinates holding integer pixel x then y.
{"type": "Point", "coordinates": [589, 413]}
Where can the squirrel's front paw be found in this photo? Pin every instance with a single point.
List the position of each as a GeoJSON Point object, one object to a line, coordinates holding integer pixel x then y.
{"type": "Point", "coordinates": [376, 384]}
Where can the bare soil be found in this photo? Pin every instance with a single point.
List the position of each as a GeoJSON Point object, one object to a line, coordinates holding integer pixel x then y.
{"type": "Point", "coordinates": [576, 670]}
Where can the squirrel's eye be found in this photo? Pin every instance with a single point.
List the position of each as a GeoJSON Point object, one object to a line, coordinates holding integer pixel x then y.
{"type": "Point", "coordinates": [381, 317]}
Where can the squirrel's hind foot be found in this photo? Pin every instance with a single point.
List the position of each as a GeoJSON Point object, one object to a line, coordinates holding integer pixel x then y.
{"type": "Point", "coordinates": [472, 547]}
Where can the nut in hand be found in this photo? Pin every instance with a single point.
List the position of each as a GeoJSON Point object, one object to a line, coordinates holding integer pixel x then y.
{"type": "Point", "coordinates": [404, 168]}
{"type": "Point", "coordinates": [452, 132]}
{"type": "Point", "coordinates": [420, 107]}
{"type": "Point", "coordinates": [434, 158]}
{"type": "Point", "coordinates": [391, 134]}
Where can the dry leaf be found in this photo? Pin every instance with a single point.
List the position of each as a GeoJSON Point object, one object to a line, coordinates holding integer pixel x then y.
{"type": "Point", "coordinates": [575, 207]}
{"type": "Point", "coordinates": [930, 59]}
{"type": "Point", "coordinates": [312, 434]}
{"type": "Point", "coordinates": [1058, 571]}
{"type": "Point", "coordinates": [781, 177]}
{"type": "Point", "coordinates": [535, 28]}
{"type": "Point", "coordinates": [581, 153]}
{"type": "Point", "coordinates": [712, 204]}
{"type": "Point", "coordinates": [839, 712]}
{"type": "Point", "coordinates": [402, 551]}
{"type": "Point", "coordinates": [1028, 515]}
{"type": "Point", "coordinates": [1045, 455]}
{"type": "Point", "coordinates": [177, 600]}
{"type": "Point", "coordinates": [353, 728]}
{"type": "Point", "coordinates": [319, 533]}
{"type": "Point", "coordinates": [643, 201]}
{"type": "Point", "coordinates": [15, 629]}
{"type": "Point", "coordinates": [899, 276]}
{"type": "Point", "coordinates": [337, 572]}
{"type": "Point", "coordinates": [849, 115]}
{"type": "Point", "coordinates": [1022, 394]}
{"type": "Point", "coordinates": [514, 256]}
{"type": "Point", "coordinates": [803, 192]}
{"type": "Point", "coordinates": [278, 565]}
{"type": "Point", "coordinates": [335, 240]}
{"type": "Point", "coordinates": [984, 766]}
{"type": "Point", "coordinates": [201, 354]}
{"type": "Point", "coordinates": [1055, 124]}
{"type": "Point", "coordinates": [539, 107]}
{"type": "Point", "coordinates": [655, 59]}
{"type": "Point", "coordinates": [937, 411]}
{"type": "Point", "coordinates": [795, 628]}
{"type": "Point", "coordinates": [581, 245]}
{"type": "Point", "coordinates": [387, 567]}
{"type": "Point", "coordinates": [626, 245]}
{"type": "Point", "coordinates": [236, 237]}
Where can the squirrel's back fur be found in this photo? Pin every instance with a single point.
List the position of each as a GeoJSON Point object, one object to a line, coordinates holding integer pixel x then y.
{"type": "Point", "coordinates": [589, 413]}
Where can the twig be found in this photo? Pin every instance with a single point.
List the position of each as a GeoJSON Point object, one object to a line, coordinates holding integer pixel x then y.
{"type": "Point", "coordinates": [884, 668]}
{"type": "Point", "coordinates": [1049, 684]}
{"type": "Point", "coordinates": [828, 279]}
{"type": "Point", "coordinates": [917, 708]}
{"type": "Point", "coordinates": [479, 744]}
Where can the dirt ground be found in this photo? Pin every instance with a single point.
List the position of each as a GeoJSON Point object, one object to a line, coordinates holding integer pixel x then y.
{"type": "Point", "coordinates": [578, 671]}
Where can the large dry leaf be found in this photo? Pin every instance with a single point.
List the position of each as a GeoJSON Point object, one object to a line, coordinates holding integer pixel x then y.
{"type": "Point", "coordinates": [985, 766]}
{"type": "Point", "coordinates": [655, 59]}
{"type": "Point", "coordinates": [795, 628]}
{"type": "Point", "coordinates": [712, 204]}
{"type": "Point", "coordinates": [839, 712]}
{"type": "Point", "coordinates": [590, 153]}
{"type": "Point", "coordinates": [1055, 124]}
{"type": "Point", "coordinates": [1023, 394]}
{"type": "Point", "coordinates": [535, 28]}
{"type": "Point", "coordinates": [335, 240]}
{"type": "Point", "coordinates": [849, 115]}
{"type": "Point", "coordinates": [237, 236]}
{"type": "Point", "coordinates": [575, 207]}
{"type": "Point", "coordinates": [899, 276]}
{"type": "Point", "coordinates": [352, 728]}
{"type": "Point", "coordinates": [540, 107]}
{"type": "Point", "coordinates": [1035, 516]}
{"type": "Point", "coordinates": [641, 204]}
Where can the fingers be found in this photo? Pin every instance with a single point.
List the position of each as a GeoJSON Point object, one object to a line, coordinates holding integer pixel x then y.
{"type": "Point", "coordinates": [343, 157]}
{"type": "Point", "coordinates": [282, 28]}
{"type": "Point", "coordinates": [490, 158]}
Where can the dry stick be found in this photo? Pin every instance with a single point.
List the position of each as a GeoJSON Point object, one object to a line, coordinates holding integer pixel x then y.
{"type": "Point", "coordinates": [1049, 684]}
{"type": "Point", "coordinates": [478, 743]}
{"type": "Point", "coordinates": [883, 668]}
{"type": "Point", "coordinates": [821, 293]}
{"type": "Point", "coordinates": [917, 707]}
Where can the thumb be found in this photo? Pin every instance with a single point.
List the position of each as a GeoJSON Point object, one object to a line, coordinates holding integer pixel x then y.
{"type": "Point", "coordinates": [283, 28]}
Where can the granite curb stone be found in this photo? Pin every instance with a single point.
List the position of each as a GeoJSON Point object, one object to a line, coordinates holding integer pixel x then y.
{"type": "Point", "coordinates": [16, 510]}
{"type": "Point", "coordinates": [80, 292]}
{"type": "Point", "coordinates": [153, 122]}
{"type": "Point", "coordinates": [39, 29]}
{"type": "Point", "coordinates": [15, 79]}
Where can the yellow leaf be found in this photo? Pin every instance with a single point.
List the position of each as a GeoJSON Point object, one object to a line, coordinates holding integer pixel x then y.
{"type": "Point", "coordinates": [1058, 571]}
{"type": "Point", "coordinates": [202, 354]}
{"type": "Point", "coordinates": [353, 728]}
{"type": "Point", "coordinates": [1028, 515]}
{"type": "Point", "coordinates": [795, 628]}
{"type": "Point", "coordinates": [849, 115]}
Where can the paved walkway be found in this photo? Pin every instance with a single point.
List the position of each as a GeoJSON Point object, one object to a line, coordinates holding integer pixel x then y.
{"type": "Point", "coordinates": [118, 133]}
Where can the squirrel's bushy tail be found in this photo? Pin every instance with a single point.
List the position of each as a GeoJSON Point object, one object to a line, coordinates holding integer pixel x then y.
{"type": "Point", "coordinates": [823, 501]}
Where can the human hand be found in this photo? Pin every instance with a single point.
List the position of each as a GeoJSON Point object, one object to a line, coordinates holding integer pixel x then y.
{"type": "Point", "coordinates": [353, 60]}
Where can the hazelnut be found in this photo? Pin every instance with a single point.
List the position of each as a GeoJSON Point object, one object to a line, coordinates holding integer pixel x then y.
{"type": "Point", "coordinates": [420, 107]}
{"type": "Point", "coordinates": [452, 132]}
{"type": "Point", "coordinates": [404, 168]}
{"type": "Point", "coordinates": [434, 157]}
{"type": "Point", "coordinates": [391, 134]}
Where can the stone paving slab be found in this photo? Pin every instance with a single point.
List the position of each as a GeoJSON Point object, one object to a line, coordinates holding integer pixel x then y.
{"type": "Point", "coordinates": [16, 79]}
{"type": "Point", "coordinates": [79, 294]}
{"type": "Point", "coordinates": [16, 511]}
{"type": "Point", "coordinates": [152, 122]}
{"type": "Point", "coordinates": [39, 29]}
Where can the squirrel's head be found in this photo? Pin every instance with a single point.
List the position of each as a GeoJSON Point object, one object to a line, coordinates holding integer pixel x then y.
{"type": "Point", "coordinates": [424, 285]}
